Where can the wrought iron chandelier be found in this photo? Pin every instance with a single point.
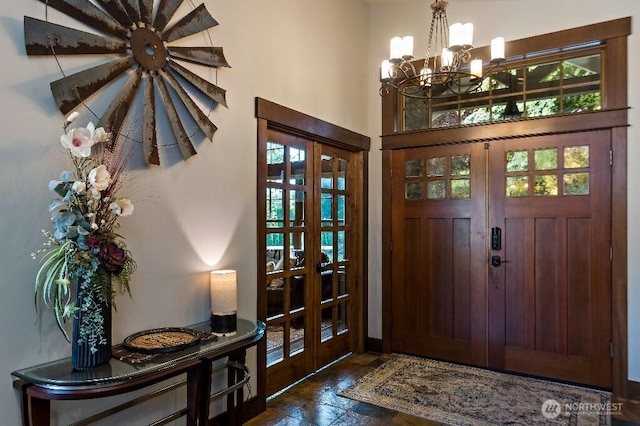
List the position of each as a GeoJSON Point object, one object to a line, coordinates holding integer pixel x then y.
{"type": "Point", "coordinates": [448, 68]}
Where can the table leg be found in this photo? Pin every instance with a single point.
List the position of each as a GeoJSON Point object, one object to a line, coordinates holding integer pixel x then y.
{"type": "Point", "coordinates": [39, 411]}
{"type": "Point", "coordinates": [204, 392]}
{"type": "Point", "coordinates": [194, 386]}
{"type": "Point", "coordinates": [234, 411]}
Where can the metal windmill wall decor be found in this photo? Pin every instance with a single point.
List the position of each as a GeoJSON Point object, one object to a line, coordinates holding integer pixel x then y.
{"type": "Point", "coordinates": [128, 28]}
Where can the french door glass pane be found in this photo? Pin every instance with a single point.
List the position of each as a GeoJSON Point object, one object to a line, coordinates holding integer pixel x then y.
{"type": "Point", "coordinates": [297, 200]}
{"type": "Point", "coordinates": [297, 157]}
{"type": "Point", "coordinates": [275, 208]}
{"type": "Point", "coordinates": [327, 245]}
{"type": "Point", "coordinates": [275, 162]}
{"type": "Point", "coordinates": [326, 179]}
{"type": "Point", "coordinates": [342, 174]}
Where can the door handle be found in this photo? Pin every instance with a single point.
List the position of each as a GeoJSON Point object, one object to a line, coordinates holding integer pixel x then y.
{"type": "Point", "coordinates": [496, 261]}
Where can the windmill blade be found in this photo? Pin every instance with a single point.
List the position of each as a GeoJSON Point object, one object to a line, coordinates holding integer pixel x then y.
{"type": "Point", "coordinates": [131, 6]}
{"type": "Point", "coordinates": [207, 127]}
{"type": "Point", "coordinates": [210, 56]}
{"type": "Point", "coordinates": [185, 145]}
{"type": "Point", "coordinates": [114, 116]}
{"type": "Point", "coordinates": [166, 10]}
{"type": "Point", "coordinates": [149, 139]}
{"type": "Point", "coordinates": [146, 11]}
{"type": "Point", "coordinates": [90, 14]}
{"type": "Point", "coordinates": [115, 9]}
{"type": "Point", "coordinates": [214, 92]}
{"type": "Point", "coordinates": [45, 38]}
{"type": "Point", "coordinates": [199, 19]}
{"type": "Point", "coordinates": [71, 90]}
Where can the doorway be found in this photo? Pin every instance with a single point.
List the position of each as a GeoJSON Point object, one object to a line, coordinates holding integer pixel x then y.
{"type": "Point", "coordinates": [311, 241]}
{"type": "Point", "coordinates": [505, 254]}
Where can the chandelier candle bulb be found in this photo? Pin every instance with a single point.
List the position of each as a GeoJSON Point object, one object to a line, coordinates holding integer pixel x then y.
{"type": "Point", "coordinates": [407, 48]}
{"type": "Point", "coordinates": [224, 302]}
{"type": "Point", "coordinates": [467, 36]}
{"type": "Point", "coordinates": [446, 58]}
{"type": "Point", "coordinates": [425, 76]}
{"type": "Point", "coordinates": [385, 70]}
{"type": "Point", "coordinates": [396, 49]}
{"type": "Point", "coordinates": [476, 68]}
{"type": "Point", "coordinates": [497, 49]}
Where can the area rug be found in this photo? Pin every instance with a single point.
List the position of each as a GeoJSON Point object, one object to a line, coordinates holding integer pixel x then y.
{"type": "Point", "coordinates": [459, 395]}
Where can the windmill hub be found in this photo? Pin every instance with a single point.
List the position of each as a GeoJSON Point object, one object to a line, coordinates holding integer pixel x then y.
{"type": "Point", "coordinates": [148, 49]}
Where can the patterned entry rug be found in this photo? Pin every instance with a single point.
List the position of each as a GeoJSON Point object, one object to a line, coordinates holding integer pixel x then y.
{"type": "Point", "coordinates": [458, 395]}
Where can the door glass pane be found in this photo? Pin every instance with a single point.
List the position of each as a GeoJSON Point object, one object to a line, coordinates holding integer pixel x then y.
{"type": "Point", "coordinates": [275, 162]}
{"type": "Point", "coordinates": [517, 161]}
{"type": "Point", "coordinates": [546, 185]}
{"type": "Point", "coordinates": [343, 317]}
{"type": "Point", "coordinates": [546, 159]}
{"type": "Point", "coordinates": [275, 247]}
{"type": "Point", "coordinates": [326, 179]}
{"type": "Point", "coordinates": [342, 203]}
{"type": "Point", "coordinates": [436, 166]}
{"type": "Point", "coordinates": [275, 342]}
{"type": "Point", "coordinates": [342, 174]}
{"type": "Point", "coordinates": [436, 189]}
{"type": "Point", "coordinates": [326, 238]}
{"type": "Point", "coordinates": [576, 184]}
{"type": "Point", "coordinates": [297, 207]}
{"type": "Point", "coordinates": [576, 157]}
{"type": "Point", "coordinates": [327, 328]}
{"type": "Point", "coordinates": [298, 285]}
{"type": "Point", "coordinates": [413, 168]}
{"type": "Point", "coordinates": [326, 209]}
{"type": "Point", "coordinates": [326, 285]}
{"type": "Point", "coordinates": [297, 157]}
{"type": "Point", "coordinates": [342, 246]}
{"type": "Point", "coordinates": [460, 188]}
{"type": "Point", "coordinates": [296, 254]}
{"type": "Point", "coordinates": [275, 208]}
{"type": "Point", "coordinates": [342, 281]}
{"type": "Point", "coordinates": [296, 336]}
{"type": "Point", "coordinates": [517, 186]}
{"type": "Point", "coordinates": [460, 165]}
{"type": "Point", "coordinates": [413, 190]}
{"type": "Point", "coordinates": [275, 296]}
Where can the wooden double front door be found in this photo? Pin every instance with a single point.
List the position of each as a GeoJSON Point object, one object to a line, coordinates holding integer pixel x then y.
{"type": "Point", "coordinates": [501, 255]}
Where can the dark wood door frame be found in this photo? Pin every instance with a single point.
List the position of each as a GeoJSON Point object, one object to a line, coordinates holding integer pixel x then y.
{"type": "Point", "coordinates": [613, 117]}
{"type": "Point", "coordinates": [273, 116]}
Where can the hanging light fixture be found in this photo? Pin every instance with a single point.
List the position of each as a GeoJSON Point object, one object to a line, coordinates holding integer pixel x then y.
{"type": "Point", "coordinates": [447, 68]}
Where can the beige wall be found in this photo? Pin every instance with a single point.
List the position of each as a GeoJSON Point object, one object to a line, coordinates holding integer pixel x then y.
{"type": "Point", "coordinates": [512, 19]}
{"type": "Point", "coordinates": [189, 216]}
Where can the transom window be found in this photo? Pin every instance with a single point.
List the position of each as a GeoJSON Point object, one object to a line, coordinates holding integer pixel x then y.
{"type": "Point", "coordinates": [548, 83]}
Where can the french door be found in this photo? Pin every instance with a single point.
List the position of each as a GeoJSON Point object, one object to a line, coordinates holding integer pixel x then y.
{"type": "Point", "coordinates": [503, 255]}
{"type": "Point", "coordinates": [311, 239]}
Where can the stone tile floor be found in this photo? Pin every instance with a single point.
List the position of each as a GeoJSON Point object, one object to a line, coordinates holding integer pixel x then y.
{"type": "Point", "coordinates": [315, 400]}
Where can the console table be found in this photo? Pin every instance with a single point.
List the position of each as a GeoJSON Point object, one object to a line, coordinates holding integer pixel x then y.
{"type": "Point", "coordinates": [58, 380]}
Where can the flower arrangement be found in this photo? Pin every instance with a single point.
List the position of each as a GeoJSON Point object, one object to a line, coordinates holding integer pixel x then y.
{"type": "Point", "coordinates": [83, 252]}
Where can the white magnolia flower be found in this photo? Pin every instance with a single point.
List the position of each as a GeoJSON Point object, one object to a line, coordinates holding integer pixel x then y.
{"type": "Point", "coordinates": [122, 207]}
{"type": "Point", "coordinates": [79, 186]}
{"type": "Point", "coordinates": [79, 141]}
{"type": "Point", "coordinates": [99, 134]}
{"type": "Point", "coordinates": [99, 178]}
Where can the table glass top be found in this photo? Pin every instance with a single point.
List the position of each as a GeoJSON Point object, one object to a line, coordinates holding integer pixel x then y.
{"type": "Point", "coordinates": [61, 374]}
